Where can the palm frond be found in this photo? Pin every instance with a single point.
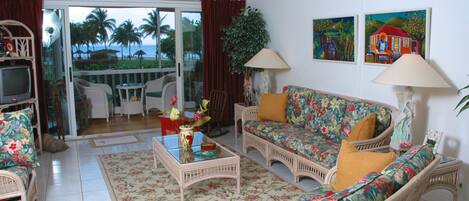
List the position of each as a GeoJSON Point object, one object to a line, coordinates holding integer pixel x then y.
{"type": "Point", "coordinates": [463, 100]}
{"type": "Point", "coordinates": [465, 107]}
{"type": "Point", "coordinates": [466, 87]}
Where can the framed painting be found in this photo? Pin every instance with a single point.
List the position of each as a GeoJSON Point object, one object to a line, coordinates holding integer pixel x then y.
{"type": "Point", "coordinates": [334, 39]}
{"type": "Point", "coordinates": [392, 34]}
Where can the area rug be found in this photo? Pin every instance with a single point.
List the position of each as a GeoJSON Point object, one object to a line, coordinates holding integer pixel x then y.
{"type": "Point", "coordinates": [110, 141]}
{"type": "Point", "coordinates": [131, 176]}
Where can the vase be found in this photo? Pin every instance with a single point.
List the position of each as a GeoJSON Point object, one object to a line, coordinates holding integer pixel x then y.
{"type": "Point", "coordinates": [186, 136]}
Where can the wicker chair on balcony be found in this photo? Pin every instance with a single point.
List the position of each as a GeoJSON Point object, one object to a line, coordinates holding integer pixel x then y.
{"type": "Point", "coordinates": [158, 92]}
{"type": "Point", "coordinates": [100, 97]}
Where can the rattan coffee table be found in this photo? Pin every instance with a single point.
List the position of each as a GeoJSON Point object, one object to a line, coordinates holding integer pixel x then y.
{"type": "Point", "coordinates": [188, 167]}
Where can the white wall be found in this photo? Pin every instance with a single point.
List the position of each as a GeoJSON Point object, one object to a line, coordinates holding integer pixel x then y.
{"type": "Point", "coordinates": [289, 23]}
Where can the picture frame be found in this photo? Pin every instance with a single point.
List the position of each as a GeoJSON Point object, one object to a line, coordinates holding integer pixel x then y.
{"type": "Point", "coordinates": [389, 34]}
{"type": "Point", "coordinates": [326, 45]}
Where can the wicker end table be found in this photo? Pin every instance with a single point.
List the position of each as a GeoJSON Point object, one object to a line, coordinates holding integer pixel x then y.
{"type": "Point", "coordinates": [446, 176]}
{"type": "Point", "coordinates": [189, 168]}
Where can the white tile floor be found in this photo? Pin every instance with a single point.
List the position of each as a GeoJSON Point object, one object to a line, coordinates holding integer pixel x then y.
{"type": "Point", "coordinates": [74, 175]}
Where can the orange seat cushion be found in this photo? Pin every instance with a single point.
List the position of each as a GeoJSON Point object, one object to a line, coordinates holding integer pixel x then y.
{"type": "Point", "coordinates": [353, 164]}
{"type": "Point", "coordinates": [272, 107]}
{"type": "Point", "coordinates": [364, 129]}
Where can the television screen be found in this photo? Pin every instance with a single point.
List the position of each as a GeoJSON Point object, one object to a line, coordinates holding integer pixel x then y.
{"type": "Point", "coordinates": [15, 81]}
{"type": "Point", "coordinates": [15, 84]}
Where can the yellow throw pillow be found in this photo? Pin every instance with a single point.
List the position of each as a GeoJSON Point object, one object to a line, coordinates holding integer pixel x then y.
{"type": "Point", "coordinates": [273, 107]}
{"type": "Point", "coordinates": [353, 164]}
{"type": "Point", "coordinates": [364, 129]}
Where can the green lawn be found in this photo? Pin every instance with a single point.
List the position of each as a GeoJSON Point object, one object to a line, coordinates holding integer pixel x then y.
{"type": "Point", "coordinates": [124, 64]}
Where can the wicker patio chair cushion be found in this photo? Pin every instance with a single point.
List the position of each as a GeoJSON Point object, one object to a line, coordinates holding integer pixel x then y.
{"type": "Point", "coordinates": [23, 172]}
{"type": "Point", "coordinates": [406, 166]}
{"type": "Point", "coordinates": [17, 140]}
{"type": "Point", "coordinates": [296, 139]}
{"type": "Point", "coordinates": [156, 94]}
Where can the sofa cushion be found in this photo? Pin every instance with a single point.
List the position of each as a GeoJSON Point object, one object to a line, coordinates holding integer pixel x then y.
{"type": "Point", "coordinates": [297, 140]}
{"type": "Point", "coordinates": [16, 139]}
{"type": "Point", "coordinates": [353, 164]}
{"type": "Point", "coordinates": [296, 104]}
{"type": "Point", "coordinates": [272, 107]}
{"type": "Point", "coordinates": [319, 193]}
{"type": "Point", "coordinates": [326, 115]}
{"type": "Point", "coordinates": [406, 166]}
{"type": "Point", "coordinates": [364, 129]}
{"type": "Point", "coordinates": [23, 172]}
{"type": "Point", "coordinates": [372, 187]}
{"type": "Point", "coordinates": [333, 116]}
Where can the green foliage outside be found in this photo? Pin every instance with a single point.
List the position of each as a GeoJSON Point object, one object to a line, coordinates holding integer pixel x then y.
{"type": "Point", "coordinates": [244, 38]}
{"type": "Point", "coordinates": [125, 64]}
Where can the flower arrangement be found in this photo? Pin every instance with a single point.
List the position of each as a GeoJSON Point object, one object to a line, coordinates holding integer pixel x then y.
{"type": "Point", "coordinates": [199, 119]}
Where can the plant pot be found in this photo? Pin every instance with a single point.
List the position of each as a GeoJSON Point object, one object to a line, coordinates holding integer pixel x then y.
{"type": "Point", "coordinates": [186, 136]}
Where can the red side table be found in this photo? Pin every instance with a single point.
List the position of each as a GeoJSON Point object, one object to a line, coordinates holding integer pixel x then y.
{"type": "Point", "coordinates": [169, 126]}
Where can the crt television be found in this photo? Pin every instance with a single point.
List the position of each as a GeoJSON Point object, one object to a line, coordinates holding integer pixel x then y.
{"type": "Point", "coordinates": [15, 84]}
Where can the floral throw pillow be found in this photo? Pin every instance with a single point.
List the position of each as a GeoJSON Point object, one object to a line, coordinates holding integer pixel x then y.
{"type": "Point", "coordinates": [17, 140]}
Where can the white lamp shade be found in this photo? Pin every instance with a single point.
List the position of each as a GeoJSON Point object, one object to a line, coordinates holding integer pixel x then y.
{"type": "Point", "coordinates": [267, 59]}
{"type": "Point", "coordinates": [411, 70]}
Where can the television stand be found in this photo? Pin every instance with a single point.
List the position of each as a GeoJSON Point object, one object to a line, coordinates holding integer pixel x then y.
{"type": "Point", "coordinates": [21, 48]}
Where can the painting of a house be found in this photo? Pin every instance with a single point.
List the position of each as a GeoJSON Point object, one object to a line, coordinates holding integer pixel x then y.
{"type": "Point", "coordinates": [390, 35]}
{"type": "Point", "coordinates": [334, 39]}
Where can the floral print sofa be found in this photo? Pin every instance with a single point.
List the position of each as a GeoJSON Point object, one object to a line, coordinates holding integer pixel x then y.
{"type": "Point", "coordinates": [308, 144]}
{"type": "Point", "coordinates": [404, 179]}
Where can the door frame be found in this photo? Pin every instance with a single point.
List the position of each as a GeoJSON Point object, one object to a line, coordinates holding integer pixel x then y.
{"type": "Point", "coordinates": [179, 7]}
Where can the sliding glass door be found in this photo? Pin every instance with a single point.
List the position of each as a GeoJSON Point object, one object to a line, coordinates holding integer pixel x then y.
{"type": "Point", "coordinates": [56, 76]}
{"type": "Point", "coordinates": [190, 58]}
{"type": "Point", "coordinates": [103, 45]}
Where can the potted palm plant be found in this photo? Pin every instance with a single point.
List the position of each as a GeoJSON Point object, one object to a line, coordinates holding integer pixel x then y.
{"type": "Point", "coordinates": [464, 102]}
{"type": "Point", "coordinates": [243, 39]}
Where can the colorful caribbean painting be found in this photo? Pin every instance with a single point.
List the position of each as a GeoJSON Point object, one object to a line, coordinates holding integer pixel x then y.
{"type": "Point", "coordinates": [390, 35]}
{"type": "Point", "coordinates": [334, 39]}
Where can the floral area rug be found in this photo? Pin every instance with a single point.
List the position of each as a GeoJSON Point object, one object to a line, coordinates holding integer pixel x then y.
{"type": "Point", "coordinates": [131, 176]}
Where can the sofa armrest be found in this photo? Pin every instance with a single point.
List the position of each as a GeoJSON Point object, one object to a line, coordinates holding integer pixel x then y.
{"type": "Point", "coordinates": [330, 176]}
{"type": "Point", "coordinates": [249, 113]}
{"type": "Point", "coordinates": [11, 184]}
{"type": "Point", "coordinates": [381, 140]}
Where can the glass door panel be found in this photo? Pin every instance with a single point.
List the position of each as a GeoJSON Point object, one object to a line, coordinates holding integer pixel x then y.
{"type": "Point", "coordinates": [192, 55]}
{"type": "Point", "coordinates": [55, 75]}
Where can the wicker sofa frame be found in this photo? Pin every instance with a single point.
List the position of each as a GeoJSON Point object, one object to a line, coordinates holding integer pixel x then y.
{"type": "Point", "coordinates": [411, 191]}
{"type": "Point", "coordinates": [12, 186]}
{"type": "Point", "coordinates": [298, 165]}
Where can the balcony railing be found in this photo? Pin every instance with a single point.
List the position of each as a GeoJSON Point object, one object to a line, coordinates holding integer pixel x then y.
{"type": "Point", "coordinates": [115, 77]}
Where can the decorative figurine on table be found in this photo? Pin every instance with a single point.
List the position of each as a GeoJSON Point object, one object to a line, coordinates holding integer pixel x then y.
{"type": "Point", "coordinates": [187, 124]}
{"type": "Point", "coordinates": [433, 139]}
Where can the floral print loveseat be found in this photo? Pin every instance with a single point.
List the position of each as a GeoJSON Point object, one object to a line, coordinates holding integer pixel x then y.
{"type": "Point", "coordinates": [308, 144]}
{"type": "Point", "coordinates": [404, 179]}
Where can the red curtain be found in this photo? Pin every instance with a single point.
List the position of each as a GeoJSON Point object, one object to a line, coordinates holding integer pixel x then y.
{"type": "Point", "coordinates": [29, 12]}
{"type": "Point", "coordinates": [217, 14]}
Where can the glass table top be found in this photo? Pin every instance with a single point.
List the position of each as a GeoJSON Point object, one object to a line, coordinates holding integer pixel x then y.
{"type": "Point", "coordinates": [195, 154]}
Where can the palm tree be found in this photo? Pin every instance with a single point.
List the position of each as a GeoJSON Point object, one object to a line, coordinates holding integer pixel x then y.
{"type": "Point", "coordinates": [90, 33]}
{"type": "Point", "coordinates": [76, 36]}
{"type": "Point", "coordinates": [102, 23]}
{"type": "Point", "coordinates": [119, 37]}
{"type": "Point", "coordinates": [154, 28]}
{"type": "Point", "coordinates": [131, 35]}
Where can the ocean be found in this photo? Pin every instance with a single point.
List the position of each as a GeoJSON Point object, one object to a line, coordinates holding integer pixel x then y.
{"type": "Point", "coordinates": [150, 50]}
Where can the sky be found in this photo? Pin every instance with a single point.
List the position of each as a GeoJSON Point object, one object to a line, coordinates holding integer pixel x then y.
{"type": "Point", "coordinates": [78, 14]}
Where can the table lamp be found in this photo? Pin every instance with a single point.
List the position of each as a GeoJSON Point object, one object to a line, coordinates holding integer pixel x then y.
{"type": "Point", "coordinates": [410, 70]}
{"type": "Point", "coordinates": [268, 60]}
